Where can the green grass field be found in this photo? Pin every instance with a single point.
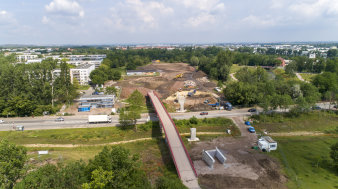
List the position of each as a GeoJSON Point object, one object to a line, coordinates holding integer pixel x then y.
{"type": "Point", "coordinates": [306, 161]}
{"type": "Point", "coordinates": [313, 121]}
{"type": "Point", "coordinates": [281, 72]}
{"type": "Point", "coordinates": [153, 153]}
{"type": "Point", "coordinates": [112, 134]}
{"type": "Point", "coordinates": [235, 68]}
{"type": "Point", "coordinates": [308, 76]}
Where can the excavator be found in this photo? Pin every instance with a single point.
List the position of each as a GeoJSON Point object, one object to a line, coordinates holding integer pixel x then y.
{"type": "Point", "coordinates": [178, 76]}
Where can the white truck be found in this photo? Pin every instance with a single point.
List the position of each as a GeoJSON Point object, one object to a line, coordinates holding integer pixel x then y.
{"type": "Point", "coordinates": [99, 119]}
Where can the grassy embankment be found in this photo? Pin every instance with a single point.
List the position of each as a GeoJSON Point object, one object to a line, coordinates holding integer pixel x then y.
{"type": "Point", "coordinates": [313, 121]}
{"type": "Point", "coordinates": [113, 134]}
{"type": "Point", "coordinates": [305, 159]}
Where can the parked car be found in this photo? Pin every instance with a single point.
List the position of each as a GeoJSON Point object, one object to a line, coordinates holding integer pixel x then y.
{"type": "Point", "coordinates": [252, 110]}
{"type": "Point", "coordinates": [316, 108]}
{"type": "Point", "coordinates": [251, 130]}
{"type": "Point", "coordinates": [2, 121]}
{"type": "Point", "coordinates": [59, 119]}
{"type": "Point", "coordinates": [204, 113]}
{"type": "Point", "coordinates": [247, 123]}
{"type": "Point", "coordinates": [335, 106]}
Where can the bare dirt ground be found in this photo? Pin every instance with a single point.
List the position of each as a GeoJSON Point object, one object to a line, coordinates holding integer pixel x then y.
{"type": "Point", "coordinates": [167, 86]}
{"type": "Point", "coordinates": [244, 167]}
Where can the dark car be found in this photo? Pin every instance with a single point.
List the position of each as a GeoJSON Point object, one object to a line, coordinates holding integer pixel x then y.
{"type": "Point", "coordinates": [252, 110]}
{"type": "Point", "coordinates": [204, 113]}
{"type": "Point", "coordinates": [316, 108]}
{"type": "Point", "coordinates": [59, 119]}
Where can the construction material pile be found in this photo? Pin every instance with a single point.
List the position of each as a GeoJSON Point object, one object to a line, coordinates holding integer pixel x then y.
{"type": "Point", "coordinates": [189, 84]}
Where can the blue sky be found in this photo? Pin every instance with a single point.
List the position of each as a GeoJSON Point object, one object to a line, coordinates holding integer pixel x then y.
{"type": "Point", "coordinates": [166, 21]}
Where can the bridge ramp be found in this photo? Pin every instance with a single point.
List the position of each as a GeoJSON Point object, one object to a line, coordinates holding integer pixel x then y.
{"type": "Point", "coordinates": [183, 163]}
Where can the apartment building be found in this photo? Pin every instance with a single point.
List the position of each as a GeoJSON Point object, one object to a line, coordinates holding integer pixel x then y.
{"type": "Point", "coordinates": [82, 73]}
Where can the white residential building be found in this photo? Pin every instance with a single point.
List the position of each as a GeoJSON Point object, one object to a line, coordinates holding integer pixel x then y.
{"type": "Point", "coordinates": [312, 55]}
{"type": "Point", "coordinates": [97, 63]}
{"type": "Point", "coordinates": [81, 73]}
{"type": "Point", "coordinates": [25, 57]}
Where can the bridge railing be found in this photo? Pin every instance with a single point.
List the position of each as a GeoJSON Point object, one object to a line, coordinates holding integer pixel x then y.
{"type": "Point", "coordinates": [185, 150]}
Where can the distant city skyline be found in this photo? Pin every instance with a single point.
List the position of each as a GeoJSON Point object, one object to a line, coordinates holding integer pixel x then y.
{"type": "Point", "coordinates": [95, 22]}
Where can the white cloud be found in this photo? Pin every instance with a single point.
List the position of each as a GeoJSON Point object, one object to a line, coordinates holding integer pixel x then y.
{"type": "Point", "coordinates": [65, 7]}
{"type": "Point", "coordinates": [132, 15]}
{"type": "Point", "coordinates": [6, 18]}
{"type": "Point", "coordinates": [258, 21]}
{"type": "Point", "coordinates": [315, 8]}
{"type": "Point", "coordinates": [201, 19]}
{"type": "Point", "coordinates": [203, 11]}
{"type": "Point", "coordinates": [45, 20]}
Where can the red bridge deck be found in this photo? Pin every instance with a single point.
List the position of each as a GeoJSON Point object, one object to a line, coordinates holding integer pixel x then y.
{"type": "Point", "coordinates": [183, 163]}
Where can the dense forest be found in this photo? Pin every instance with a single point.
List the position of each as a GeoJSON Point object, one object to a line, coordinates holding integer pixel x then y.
{"type": "Point", "coordinates": [29, 89]}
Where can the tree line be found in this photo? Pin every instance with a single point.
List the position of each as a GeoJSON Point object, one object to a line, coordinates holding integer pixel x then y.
{"type": "Point", "coordinates": [256, 87]}
{"type": "Point", "coordinates": [113, 167]}
{"type": "Point", "coordinates": [31, 89]}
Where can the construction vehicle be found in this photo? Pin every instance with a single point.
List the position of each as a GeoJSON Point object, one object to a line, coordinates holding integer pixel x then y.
{"type": "Point", "coordinates": [179, 76]}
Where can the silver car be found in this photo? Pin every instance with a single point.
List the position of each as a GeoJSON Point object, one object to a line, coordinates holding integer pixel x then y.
{"type": "Point", "coordinates": [59, 119]}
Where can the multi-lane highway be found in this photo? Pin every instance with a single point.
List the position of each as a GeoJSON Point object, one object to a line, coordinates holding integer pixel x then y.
{"type": "Point", "coordinates": [81, 121]}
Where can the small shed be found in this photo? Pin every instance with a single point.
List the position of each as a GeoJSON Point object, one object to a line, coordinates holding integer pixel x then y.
{"type": "Point", "coordinates": [266, 143]}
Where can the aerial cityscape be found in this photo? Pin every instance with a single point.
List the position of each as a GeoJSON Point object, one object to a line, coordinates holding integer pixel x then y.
{"type": "Point", "coordinates": [169, 94]}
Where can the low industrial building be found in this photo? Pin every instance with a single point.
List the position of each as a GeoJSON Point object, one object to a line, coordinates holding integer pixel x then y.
{"type": "Point", "coordinates": [141, 72]}
{"type": "Point", "coordinates": [82, 73]}
{"type": "Point", "coordinates": [96, 101]}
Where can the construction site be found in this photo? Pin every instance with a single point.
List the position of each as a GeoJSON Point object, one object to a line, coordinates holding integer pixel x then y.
{"type": "Point", "coordinates": [173, 80]}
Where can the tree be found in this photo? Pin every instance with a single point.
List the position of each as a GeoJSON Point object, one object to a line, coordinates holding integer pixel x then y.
{"type": "Point", "coordinates": [136, 99]}
{"type": "Point", "coordinates": [110, 90]}
{"type": "Point", "coordinates": [114, 167]}
{"type": "Point", "coordinates": [98, 76]}
{"type": "Point", "coordinates": [73, 175]}
{"type": "Point", "coordinates": [194, 61]}
{"type": "Point", "coordinates": [334, 155]}
{"type": "Point", "coordinates": [165, 182]}
{"type": "Point", "coordinates": [124, 118]}
{"type": "Point", "coordinates": [241, 93]}
{"type": "Point", "coordinates": [12, 162]}
{"type": "Point", "coordinates": [116, 75]}
{"type": "Point", "coordinates": [332, 53]}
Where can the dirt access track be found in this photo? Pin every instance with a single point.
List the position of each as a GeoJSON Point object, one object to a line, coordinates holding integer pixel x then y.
{"type": "Point", "coordinates": [244, 167]}
{"type": "Point", "coordinates": [166, 85]}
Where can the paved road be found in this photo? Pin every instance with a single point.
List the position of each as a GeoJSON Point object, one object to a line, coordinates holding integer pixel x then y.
{"type": "Point", "coordinates": [48, 122]}
{"type": "Point", "coordinates": [181, 158]}
{"type": "Point", "coordinates": [81, 121]}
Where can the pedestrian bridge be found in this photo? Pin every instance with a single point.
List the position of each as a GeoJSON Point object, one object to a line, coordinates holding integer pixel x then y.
{"type": "Point", "coordinates": [184, 166]}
